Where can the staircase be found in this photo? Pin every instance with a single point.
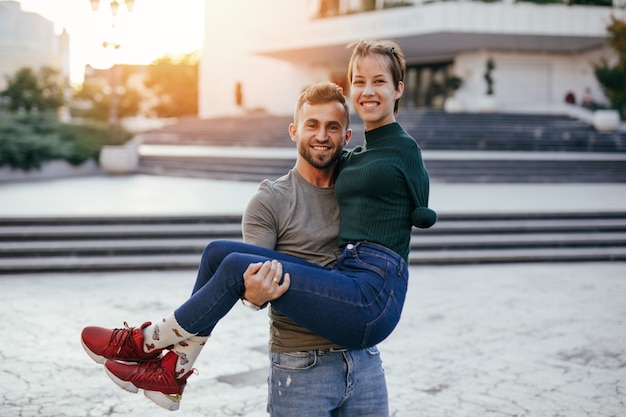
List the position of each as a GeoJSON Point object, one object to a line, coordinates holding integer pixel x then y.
{"type": "Point", "coordinates": [458, 147]}
{"type": "Point", "coordinates": [521, 237]}
{"type": "Point", "coordinates": [448, 167]}
{"type": "Point", "coordinates": [507, 132]}
{"type": "Point", "coordinates": [84, 244]}
{"type": "Point", "coordinates": [256, 130]}
{"type": "Point", "coordinates": [433, 130]}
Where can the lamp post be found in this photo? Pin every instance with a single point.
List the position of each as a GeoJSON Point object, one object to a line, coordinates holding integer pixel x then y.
{"type": "Point", "coordinates": [114, 5]}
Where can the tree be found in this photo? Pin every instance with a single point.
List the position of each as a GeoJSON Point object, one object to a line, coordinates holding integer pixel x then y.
{"type": "Point", "coordinates": [612, 78]}
{"type": "Point", "coordinates": [31, 91]}
{"type": "Point", "coordinates": [95, 96]}
{"type": "Point", "coordinates": [174, 83]}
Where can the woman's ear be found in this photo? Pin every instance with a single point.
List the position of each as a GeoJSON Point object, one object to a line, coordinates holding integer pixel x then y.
{"type": "Point", "coordinates": [399, 90]}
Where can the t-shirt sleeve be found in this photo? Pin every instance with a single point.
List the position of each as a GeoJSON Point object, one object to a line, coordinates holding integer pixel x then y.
{"type": "Point", "coordinates": [259, 222]}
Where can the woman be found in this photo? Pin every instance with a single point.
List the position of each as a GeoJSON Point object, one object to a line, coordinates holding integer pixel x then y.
{"type": "Point", "coordinates": [382, 190]}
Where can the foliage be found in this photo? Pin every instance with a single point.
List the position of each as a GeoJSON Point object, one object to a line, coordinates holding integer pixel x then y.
{"type": "Point", "coordinates": [603, 3]}
{"type": "Point", "coordinates": [489, 67]}
{"type": "Point", "coordinates": [29, 91]}
{"type": "Point", "coordinates": [617, 38]}
{"type": "Point", "coordinates": [29, 140]}
{"type": "Point", "coordinates": [612, 78]}
{"type": "Point", "coordinates": [98, 94]}
{"type": "Point", "coordinates": [174, 82]}
{"type": "Point", "coordinates": [168, 87]}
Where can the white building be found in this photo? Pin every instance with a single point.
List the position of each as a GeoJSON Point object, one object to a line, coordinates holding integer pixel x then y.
{"type": "Point", "coordinates": [28, 40]}
{"type": "Point", "coordinates": [276, 48]}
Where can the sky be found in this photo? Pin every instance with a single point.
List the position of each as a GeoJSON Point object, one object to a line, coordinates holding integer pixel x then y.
{"type": "Point", "coordinates": [153, 29]}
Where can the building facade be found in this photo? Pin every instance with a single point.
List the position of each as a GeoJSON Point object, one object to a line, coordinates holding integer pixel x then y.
{"type": "Point", "coordinates": [270, 51]}
{"type": "Point", "coordinates": [28, 40]}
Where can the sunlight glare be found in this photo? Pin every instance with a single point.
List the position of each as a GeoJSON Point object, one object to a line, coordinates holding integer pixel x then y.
{"type": "Point", "coordinates": [154, 28]}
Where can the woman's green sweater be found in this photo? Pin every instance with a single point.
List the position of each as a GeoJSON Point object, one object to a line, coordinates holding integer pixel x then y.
{"type": "Point", "coordinates": [382, 190]}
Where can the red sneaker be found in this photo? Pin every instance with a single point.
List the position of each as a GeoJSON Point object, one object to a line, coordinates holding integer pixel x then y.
{"type": "Point", "coordinates": [118, 344]}
{"type": "Point", "coordinates": [156, 378]}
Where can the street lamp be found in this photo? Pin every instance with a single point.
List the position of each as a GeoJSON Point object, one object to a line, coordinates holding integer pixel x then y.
{"type": "Point", "coordinates": [114, 5]}
{"type": "Point", "coordinates": [113, 73]}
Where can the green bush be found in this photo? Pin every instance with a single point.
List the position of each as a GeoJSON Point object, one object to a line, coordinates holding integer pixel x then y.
{"type": "Point", "coordinates": [28, 141]}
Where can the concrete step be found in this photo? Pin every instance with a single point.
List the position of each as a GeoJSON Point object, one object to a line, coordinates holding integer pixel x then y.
{"type": "Point", "coordinates": [176, 242]}
{"type": "Point", "coordinates": [433, 129]}
{"type": "Point", "coordinates": [419, 243]}
{"type": "Point", "coordinates": [190, 261]}
{"type": "Point", "coordinates": [141, 262]}
{"type": "Point", "coordinates": [117, 231]}
{"type": "Point", "coordinates": [587, 254]}
{"type": "Point", "coordinates": [422, 242]}
{"type": "Point", "coordinates": [472, 167]}
{"type": "Point", "coordinates": [105, 247]}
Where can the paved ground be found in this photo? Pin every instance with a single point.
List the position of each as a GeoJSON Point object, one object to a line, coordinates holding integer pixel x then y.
{"type": "Point", "coordinates": [531, 340]}
{"type": "Point", "coordinates": [494, 340]}
{"type": "Point", "coordinates": [146, 195]}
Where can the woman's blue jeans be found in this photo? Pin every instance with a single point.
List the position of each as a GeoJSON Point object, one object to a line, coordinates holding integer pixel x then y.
{"type": "Point", "coordinates": [356, 304]}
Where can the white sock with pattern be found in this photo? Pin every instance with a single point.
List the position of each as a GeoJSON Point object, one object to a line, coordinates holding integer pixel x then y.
{"type": "Point", "coordinates": [162, 334]}
{"type": "Point", "coordinates": [187, 352]}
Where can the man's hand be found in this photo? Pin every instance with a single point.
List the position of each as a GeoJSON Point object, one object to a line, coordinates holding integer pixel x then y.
{"type": "Point", "coordinates": [264, 281]}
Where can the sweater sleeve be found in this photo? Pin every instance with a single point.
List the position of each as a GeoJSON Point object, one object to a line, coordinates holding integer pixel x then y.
{"type": "Point", "coordinates": [419, 187]}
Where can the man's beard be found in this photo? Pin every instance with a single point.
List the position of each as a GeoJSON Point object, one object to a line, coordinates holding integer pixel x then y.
{"type": "Point", "coordinates": [319, 163]}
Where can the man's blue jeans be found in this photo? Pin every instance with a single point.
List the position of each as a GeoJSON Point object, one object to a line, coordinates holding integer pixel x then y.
{"type": "Point", "coordinates": [356, 304]}
{"type": "Point", "coordinates": [327, 384]}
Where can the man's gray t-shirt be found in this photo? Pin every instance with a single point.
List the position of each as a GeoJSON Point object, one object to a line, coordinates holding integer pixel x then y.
{"type": "Point", "coordinates": [293, 216]}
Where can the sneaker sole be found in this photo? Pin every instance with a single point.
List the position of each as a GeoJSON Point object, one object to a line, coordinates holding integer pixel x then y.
{"type": "Point", "coordinates": [128, 386]}
{"type": "Point", "coordinates": [170, 402]}
{"type": "Point", "coordinates": [97, 358]}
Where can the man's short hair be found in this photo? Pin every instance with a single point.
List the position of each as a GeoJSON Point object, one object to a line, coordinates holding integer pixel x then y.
{"type": "Point", "coordinates": [320, 93]}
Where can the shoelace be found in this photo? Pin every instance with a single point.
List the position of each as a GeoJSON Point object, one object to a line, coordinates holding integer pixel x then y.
{"type": "Point", "coordinates": [154, 372]}
{"type": "Point", "coordinates": [122, 338]}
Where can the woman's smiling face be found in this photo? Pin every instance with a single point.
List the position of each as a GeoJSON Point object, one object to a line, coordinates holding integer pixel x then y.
{"type": "Point", "coordinates": [373, 92]}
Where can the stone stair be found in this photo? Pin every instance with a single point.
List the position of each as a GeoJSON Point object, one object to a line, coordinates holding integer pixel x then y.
{"type": "Point", "coordinates": [521, 237]}
{"type": "Point", "coordinates": [507, 132]}
{"type": "Point", "coordinates": [458, 147]}
{"type": "Point", "coordinates": [448, 167]}
{"type": "Point", "coordinates": [81, 244]}
{"type": "Point", "coordinates": [433, 130]}
{"type": "Point", "coordinates": [255, 130]}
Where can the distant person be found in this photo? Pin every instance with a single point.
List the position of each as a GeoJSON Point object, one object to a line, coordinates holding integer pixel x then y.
{"type": "Point", "coordinates": [570, 97]}
{"type": "Point", "coordinates": [382, 191]}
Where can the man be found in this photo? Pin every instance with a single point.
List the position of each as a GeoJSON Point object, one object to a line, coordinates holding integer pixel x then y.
{"type": "Point", "coordinates": [298, 215]}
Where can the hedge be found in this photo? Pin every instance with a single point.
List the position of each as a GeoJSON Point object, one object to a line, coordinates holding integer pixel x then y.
{"type": "Point", "coordinates": [29, 140]}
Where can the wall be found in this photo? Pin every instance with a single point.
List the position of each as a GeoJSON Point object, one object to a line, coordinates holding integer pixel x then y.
{"type": "Point", "coordinates": [235, 29]}
{"type": "Point", "coordinates": [28, 40]}
{"type": "Point", "coordinates": [523, 81]}
{"type": "Point", "coordinates": [268, 84]}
